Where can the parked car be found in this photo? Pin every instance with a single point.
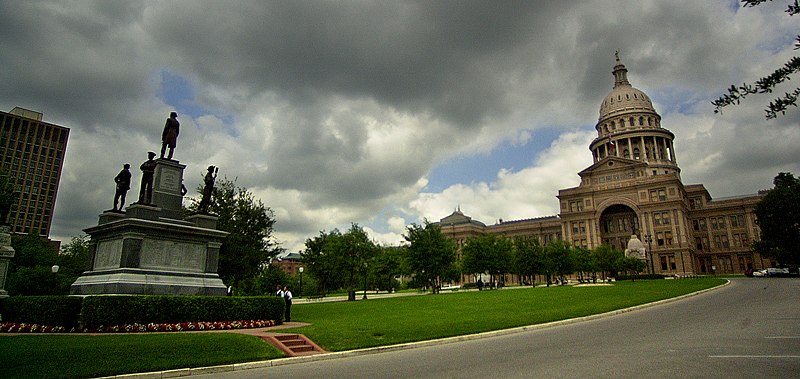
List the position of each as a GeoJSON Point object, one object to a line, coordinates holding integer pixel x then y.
{"type": "Point", "coordinates": [773, 271]}
{"type": "Point", "coordinates": [760, 273]}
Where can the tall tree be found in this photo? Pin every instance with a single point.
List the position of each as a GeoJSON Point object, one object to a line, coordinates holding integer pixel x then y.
{"type": "Point", "coordinates": [323, 262]}
{"type": "Point", "coordinates": [607, 259]}
{"type": "Point", "coordinates": [250, 244]}
{"type": "Point", "coordinates": [487, 253]}
{"type": "Point", "coordinates": [778, 216]}
{"type": "Point", "coordinates": [29, 271]}
{"type": "Point", "coordinates": [558, 259]}
{"type": "Point", "coordinates": [528, 257]}
{"type": "Point", "coordinates": [431, 256]}
{"type": "Point", "coordinates": [339, 260]}
{"type": "Point", "coordinates": [767, 83]}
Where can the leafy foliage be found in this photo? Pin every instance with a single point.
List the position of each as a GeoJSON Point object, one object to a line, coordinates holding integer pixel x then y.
{"type": "Point", "coordinates": [767, 83]}
{"type": "Point", "coordinates": [431, 256]}
{"type": "Point", "coordinates": [488, 253]}
{"type": "Point", "coordinates": [339, 260]}
{"type": "Point", "coordinates": [7, 196]}
{"type": "Point", "coordinates": [250, 244]}
{"type": "Point", "coordinates": [778, 215]}
{"type": "Point", "coordinates": [528, 257]}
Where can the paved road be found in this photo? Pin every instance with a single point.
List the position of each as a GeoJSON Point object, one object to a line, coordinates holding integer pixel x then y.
{"type": "Point", "coordinates": [748, 329]}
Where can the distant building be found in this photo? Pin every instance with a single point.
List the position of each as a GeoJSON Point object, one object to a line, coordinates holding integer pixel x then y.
{"type": "Point", "coordinates": [289, 263]}
{"type": "Point", "coordinates": [634, 188]}
{"type": "Point", "coordinates": [32, 154]}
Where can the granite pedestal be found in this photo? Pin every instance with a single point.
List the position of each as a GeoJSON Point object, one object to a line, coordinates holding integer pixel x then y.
{"type": "Point", "coordinates": [150, 250]}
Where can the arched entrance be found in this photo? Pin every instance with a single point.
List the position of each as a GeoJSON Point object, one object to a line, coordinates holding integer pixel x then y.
{"type": "Point", "coordinates": [617, 223]}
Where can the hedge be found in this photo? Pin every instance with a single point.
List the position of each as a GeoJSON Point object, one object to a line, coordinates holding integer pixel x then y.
{"type": "Point", "coordinates": [94, 311]}
{"type": "Point", "coordinates": [43, 310]}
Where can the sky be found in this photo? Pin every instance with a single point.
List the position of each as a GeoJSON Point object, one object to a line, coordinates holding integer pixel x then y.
{"type": "Point", "coordinates": [388, 113]}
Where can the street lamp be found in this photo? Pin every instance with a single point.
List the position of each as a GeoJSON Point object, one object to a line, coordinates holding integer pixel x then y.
{"type": "Point", "coordinates": [300, 293]}
{"type": "Point", "coordinates": [365, 281]}
{"type": "Point", "coordinates": [649, 239]}
{"type": "Point", "coordinates": [54, 270]}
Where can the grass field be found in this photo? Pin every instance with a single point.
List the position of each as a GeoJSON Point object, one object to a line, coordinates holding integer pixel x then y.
{"type": "Point", "coordinates": [335, 326]}
{"type": "Point", "coordinates": [347, 326]}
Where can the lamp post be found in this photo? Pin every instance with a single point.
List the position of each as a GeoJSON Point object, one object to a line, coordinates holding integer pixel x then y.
{"type": "Point", "coordinates": [300, 293]}
{"type": "Point", "coordinates": [54, 270]}
{"type": "Point", "coordinates": [649, 239]}
{"type": "Point", "coordinates": [365, 281]}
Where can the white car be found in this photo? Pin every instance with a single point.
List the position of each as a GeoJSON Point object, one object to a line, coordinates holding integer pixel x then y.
{"type": "Point", "coordinates": [760, 273]}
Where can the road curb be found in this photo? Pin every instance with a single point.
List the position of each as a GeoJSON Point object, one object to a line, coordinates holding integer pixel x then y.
{"type": "Point", "coordinates": [404, 346]}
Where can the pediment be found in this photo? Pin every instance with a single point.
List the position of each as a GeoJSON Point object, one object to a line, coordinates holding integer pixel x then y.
{"type": "Point", "coordinates": [612, 165]}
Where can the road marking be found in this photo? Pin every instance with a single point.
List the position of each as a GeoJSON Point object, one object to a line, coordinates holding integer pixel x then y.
{"type": "Point", "coordinates": [754, 356]}
{"type": "Point", "coordinates": [783, 337]}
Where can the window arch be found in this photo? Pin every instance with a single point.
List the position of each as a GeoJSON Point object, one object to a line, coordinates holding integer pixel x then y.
{"type": "Point", "coordinates": [636, 153]}
{"type": "Point", "coordinates": [641, 121]}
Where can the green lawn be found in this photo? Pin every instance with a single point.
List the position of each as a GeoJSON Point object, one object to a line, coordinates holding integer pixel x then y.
{"type": "Point", "coordinates": [84, 356]}
{"type": "Point", "coordinates": [346, 326]}
{"type": "Point", "coordinates": [335, 326]}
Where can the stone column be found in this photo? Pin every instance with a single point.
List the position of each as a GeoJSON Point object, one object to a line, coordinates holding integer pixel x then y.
{"type": "Point", "coordinates": [6, 253]}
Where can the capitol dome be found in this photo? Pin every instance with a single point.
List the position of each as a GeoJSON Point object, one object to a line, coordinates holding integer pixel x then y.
{"type": "Point", "coordinates": [623, 97]}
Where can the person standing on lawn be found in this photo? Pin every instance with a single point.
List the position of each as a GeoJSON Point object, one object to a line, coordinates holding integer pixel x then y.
{"type": "Point", "coordinates": [287, 296]}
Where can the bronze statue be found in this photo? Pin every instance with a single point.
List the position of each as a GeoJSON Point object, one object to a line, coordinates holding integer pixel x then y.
{"type": "Point", "coordinates": [123, 180]}
{"type": "Point", "coordinates": [148, 170]}
{"type": "Point", "coordinates": [211, 177]}
{"type": "Point", "coordinates": [170, 135]}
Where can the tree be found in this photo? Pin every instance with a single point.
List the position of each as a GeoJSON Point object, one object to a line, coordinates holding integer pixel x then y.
{"type": "Point", "coordinates": [606, 259]}
{"type": "Point", "coordinates": [386, 265]}
{"type": "Point", "coordinates": [528, 257]}
{"type": "Point", "coordinates": [631, 265]}
{"type": "Point", "coordinates": [768, 83]}
{"type": "Point", "coordinates": [558, 259]}
{"type": "Point", "coordinates": [73, 259]}
{"type": "Point", "coordinates": [431, 256]}
{"type": "Point", "coordinates": [29, 269]}
{"type": "Point", "coordinates": [778, 215]}
{"type": "Point", "coordinates": [487, 253]}
{"type": "Point", "coordinates": [322, 262]}
{"type": "Point", "coordinates": [339, 260]}
{"type": "Point", "coordinates": [250, 245]}
{"type": "Point", "coordinates": [7, 196]}
{"type": "Point", "coordinates": [584, 261]}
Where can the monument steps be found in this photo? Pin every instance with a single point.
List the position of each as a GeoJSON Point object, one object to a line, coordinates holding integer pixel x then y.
{"type": "Point", "coordinates": [293, 344]}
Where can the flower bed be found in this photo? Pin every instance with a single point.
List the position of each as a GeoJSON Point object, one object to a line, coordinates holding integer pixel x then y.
{"type": "Point", "coordinates": [12, 327]}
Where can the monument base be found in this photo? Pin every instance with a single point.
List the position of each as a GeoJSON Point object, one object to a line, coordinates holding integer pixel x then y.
{"type": "Point", "coordinates": [133, 281]}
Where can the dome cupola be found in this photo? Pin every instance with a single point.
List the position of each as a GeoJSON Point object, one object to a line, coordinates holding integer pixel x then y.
{"type": "Point", "coordinates": [630, 128]}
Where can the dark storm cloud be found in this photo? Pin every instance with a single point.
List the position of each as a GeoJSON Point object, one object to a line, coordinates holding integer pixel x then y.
{"type": "Point", "coordinates": [438, 57]}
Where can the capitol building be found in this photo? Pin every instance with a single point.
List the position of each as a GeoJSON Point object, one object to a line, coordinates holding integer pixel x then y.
{"type": "Point", "coordinates": [633, 191]}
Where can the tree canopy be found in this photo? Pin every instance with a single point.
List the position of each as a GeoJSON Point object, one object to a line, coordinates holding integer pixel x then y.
{"type": "Point", "coordinates": [778, 215]}
{"type": "Point", "coordinates": [250, 245]}
{"type": "Point", "coordinates": [337, 260]}
{"type": "Point", "coordinates": [768, 83]}
{"type": "Point", "coordinates": [431, 256]}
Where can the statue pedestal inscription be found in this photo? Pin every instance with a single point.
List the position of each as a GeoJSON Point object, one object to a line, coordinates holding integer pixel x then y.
{"type": "Point", "coordinates": [151, 250]}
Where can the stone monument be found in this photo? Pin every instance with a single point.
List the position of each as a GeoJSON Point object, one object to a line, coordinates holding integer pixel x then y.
{"type": "Point", "coordinates": [6, 253]}
{"type": "Point", "coordinates": [150, 248]}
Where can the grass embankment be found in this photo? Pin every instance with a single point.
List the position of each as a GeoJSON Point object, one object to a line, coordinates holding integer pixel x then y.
{"type": "Point", "coordinates": [86, 356]}
{"type": "Point", "coordinates": [347, 326]}
{"type": "Point", "coordinates": [335, 326]}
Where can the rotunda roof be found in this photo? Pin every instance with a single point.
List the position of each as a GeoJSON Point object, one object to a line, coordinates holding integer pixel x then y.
{"type": "Point", "coordinates": [624, 96]}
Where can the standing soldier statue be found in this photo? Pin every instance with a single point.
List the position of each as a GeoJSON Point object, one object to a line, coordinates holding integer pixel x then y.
{"type": "Point", "coordinates": [211, 177]}
{"type": "Point", "coordinates": [123, 180]}
{"type": "Point", "coordinates": [170, 135]}
{"type": "Point", "coordinates": [148, 170]}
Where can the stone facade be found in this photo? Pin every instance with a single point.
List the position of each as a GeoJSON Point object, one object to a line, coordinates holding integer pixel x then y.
{"type": "Point", "coordinates": [634, 187]}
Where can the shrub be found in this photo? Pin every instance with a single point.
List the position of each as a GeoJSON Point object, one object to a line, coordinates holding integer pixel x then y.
{"type": "Point", "coordinates": [117, 310]}
{"type": "Point", "coordinates": [43, 310]}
